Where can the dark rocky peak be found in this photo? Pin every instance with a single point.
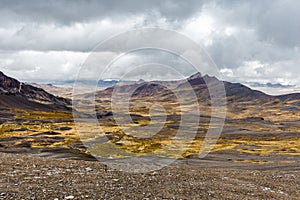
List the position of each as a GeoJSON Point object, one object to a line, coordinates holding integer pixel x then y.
{"type": "Point", "coordinates": [9, 85]}
{"type": "Point", "coordinates": [195, 76]}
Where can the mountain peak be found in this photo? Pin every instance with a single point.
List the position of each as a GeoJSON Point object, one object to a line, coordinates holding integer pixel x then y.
{"type": "Point", "coordinates": [196, 75]}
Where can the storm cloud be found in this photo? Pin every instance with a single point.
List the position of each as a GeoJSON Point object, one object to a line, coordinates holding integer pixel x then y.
{"type": "Point", "coordinates": [250, 41]}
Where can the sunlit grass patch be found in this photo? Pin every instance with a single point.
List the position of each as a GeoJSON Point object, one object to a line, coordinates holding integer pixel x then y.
{"type": "Point", "coordinates": [108, 150]}
{"type": "Point", "coordinates": [223, 146]}
{"type": "Point", "coordinates": [41, 115]}
{"type": "Point", "coordinates": [290, 146]}
{"type": "Point", "coordinates": [257, 162]}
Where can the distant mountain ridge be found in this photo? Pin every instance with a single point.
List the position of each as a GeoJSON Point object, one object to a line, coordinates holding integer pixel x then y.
{"type": "Point", "coordinates": [234, 91]}
{"type": "Point", "coordinates": [270, 85]}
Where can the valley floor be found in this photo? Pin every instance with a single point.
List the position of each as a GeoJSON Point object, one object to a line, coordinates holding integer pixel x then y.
{"type": "Point", "coordinates": [32, 177]}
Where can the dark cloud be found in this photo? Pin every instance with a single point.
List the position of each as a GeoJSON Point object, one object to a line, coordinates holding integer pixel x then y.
{"type": "Point", "coordinates": [258, 36]}
{"type": "Point", "coordinates": [67, 12]}
{"type": "Point", "coordinates": [275, 21]}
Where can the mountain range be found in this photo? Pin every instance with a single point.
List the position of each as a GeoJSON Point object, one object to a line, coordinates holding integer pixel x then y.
{"type": "Point", "coordinates": [235, 92]}
{"type": "Point", "coordinates": [15, 94]}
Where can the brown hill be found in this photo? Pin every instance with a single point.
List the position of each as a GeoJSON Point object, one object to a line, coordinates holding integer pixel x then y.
{"type": "Point", "coordinates": [15, 94]}
{"type": "Point", "coordinates": [60, 91]}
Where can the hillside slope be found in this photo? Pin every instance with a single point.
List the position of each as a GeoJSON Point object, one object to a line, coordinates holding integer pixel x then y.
{"type": "Point", "coordinates": [17, 95]}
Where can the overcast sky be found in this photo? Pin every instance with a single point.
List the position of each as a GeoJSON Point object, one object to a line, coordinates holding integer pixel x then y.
{"type": "Point", "coordinates": [250, 41]}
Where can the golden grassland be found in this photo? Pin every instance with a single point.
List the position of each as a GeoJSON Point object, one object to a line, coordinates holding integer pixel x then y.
{"type": "Point", "coordinates": [268, 138]}
{"type": "Point", "coordinates": [262, 143]}
{"type": "Point", "coordinates": [35, 122]}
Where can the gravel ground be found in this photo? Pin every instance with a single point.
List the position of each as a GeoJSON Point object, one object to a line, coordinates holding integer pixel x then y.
{"type": "Point", "coordinates": [28, 177]}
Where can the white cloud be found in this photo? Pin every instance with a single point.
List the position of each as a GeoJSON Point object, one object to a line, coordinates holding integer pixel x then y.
{"type": "Point", "coordinates": [282, 72]}
{"type": "Point", "coordinates": [42, 66]}
{"type": "Point", "coordinates": [200, 28]}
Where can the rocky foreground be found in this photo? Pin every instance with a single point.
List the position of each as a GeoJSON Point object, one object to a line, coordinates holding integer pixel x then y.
{"type": "Point", "coordinates": [27, 177]}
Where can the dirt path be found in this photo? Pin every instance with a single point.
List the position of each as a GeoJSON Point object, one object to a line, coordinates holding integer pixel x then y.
{"type": "Point", "coordinates": [25, 177]}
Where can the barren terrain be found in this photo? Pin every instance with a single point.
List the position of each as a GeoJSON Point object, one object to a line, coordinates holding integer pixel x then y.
{"type": "Point", "coordinates": [24, 177]}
